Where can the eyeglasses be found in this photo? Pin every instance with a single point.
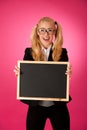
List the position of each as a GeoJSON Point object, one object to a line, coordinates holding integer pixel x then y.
{"type": "Point", "coordinates": [42, 31]}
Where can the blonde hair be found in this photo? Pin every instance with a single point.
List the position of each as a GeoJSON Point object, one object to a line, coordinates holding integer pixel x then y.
{"type": "Point", "coordinates": [57, 45]}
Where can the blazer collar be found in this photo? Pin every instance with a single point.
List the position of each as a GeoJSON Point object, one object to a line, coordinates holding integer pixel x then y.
{"type": "Point", "coordinates": [50, 55]}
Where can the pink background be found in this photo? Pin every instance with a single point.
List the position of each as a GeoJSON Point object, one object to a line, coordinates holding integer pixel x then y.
{"type": "Point", "coordinates": [17, 17]}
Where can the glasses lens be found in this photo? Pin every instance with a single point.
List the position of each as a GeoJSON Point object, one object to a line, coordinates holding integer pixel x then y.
{"type": "Point", "coordinates": [43, 31]}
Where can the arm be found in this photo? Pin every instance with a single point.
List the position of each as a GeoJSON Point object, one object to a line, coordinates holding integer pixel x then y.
{"type": "Point", "coordinates": [28, 56]}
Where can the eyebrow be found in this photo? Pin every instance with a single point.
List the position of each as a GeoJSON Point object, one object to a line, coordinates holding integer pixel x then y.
{"type": "Point", "coordinates": [45, 28]}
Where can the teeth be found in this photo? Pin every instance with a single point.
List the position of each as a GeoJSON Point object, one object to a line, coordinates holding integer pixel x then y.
{"type": "Point", "coordinates": [46, 38]}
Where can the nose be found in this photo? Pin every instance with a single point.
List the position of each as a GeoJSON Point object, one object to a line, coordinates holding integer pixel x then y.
{"type": "Point", "coordinates": [46, 32]}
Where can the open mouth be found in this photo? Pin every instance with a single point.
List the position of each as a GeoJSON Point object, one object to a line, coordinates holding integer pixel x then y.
{"type": "Point", "coordinates": [46, 39]}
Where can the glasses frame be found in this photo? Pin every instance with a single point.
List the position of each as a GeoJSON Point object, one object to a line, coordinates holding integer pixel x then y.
{"type": "Point", "coordinates": [49, 31]}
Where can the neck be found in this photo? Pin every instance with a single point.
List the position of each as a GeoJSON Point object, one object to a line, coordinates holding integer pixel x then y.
{"type": "Point", "coordinates": [46, 47]}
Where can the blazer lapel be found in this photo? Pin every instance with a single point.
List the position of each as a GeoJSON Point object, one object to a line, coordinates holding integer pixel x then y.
{"type": "Point", "coordinates": [50, 56]}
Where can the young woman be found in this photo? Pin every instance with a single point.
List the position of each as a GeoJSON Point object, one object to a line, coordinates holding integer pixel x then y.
{"type": "Point", "coordinates": [47, 41]}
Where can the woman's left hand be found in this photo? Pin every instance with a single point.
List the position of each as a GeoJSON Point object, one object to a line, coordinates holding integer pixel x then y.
{"type": "Point", "coordinates": [69, 70]}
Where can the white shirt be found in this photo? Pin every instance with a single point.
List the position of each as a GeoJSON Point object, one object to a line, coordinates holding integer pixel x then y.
{"type": "Point", "coordinates": [46, 53]}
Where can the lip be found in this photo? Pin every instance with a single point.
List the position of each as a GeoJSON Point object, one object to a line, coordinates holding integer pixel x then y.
{"type": "Point", "coordinates": [46, 39]}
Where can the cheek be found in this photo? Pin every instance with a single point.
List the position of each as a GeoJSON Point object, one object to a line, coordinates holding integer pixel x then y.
{"type": "Point", "coordinates": [53, 38]}
{"type": "Point", "coordinates": [41, 38]}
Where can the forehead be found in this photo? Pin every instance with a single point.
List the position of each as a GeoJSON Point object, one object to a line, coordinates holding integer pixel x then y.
{"type": "Point", "coordinates": [46, 24]}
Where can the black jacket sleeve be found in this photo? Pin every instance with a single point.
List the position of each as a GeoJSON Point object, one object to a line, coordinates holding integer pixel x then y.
{"type": "Point", "coordinates": [28, 56]}
{"type": "Point", "coordinates": [64, 57]}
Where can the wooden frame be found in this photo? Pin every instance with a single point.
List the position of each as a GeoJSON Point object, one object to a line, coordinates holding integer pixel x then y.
{"type": "Point", "coordinates": [43, 80]}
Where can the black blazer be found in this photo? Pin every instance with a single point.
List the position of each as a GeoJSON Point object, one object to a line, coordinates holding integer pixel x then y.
{"type": "Point", "coordinates": [28, 56]}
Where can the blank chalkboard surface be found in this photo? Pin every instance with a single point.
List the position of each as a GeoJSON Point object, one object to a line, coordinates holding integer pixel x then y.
{"type": "Point", "coordinates": [40, 80]}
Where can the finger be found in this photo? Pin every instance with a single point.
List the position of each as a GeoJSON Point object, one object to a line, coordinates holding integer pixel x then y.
{"type": "Point", "coordinates": [17, 68]}
{"type": "Point", "coordinates": [68, 72]}
{"type": "Point", "coordinates": [69, 69]}
{"type": "Point", "coordinates": [15, 71]}
{"type": "Point", "coordinates": [68, 75]}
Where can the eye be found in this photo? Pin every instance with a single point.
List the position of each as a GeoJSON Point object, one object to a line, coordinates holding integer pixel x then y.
{"type": "Point", "coordinates": [41, 30]}
{"type": "Point", "coordinates": [50, 30]}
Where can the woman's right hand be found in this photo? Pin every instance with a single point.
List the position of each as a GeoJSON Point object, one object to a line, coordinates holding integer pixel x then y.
{"type": "Point", "coordinates": [16, 70]}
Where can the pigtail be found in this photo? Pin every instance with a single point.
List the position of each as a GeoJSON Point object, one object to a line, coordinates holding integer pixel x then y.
{"type": "Point", "coordinates": [57, 46]}
{"type": "Point", "coordinates": [36, 45]}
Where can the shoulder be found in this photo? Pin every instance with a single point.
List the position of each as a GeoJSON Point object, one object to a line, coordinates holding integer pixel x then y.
{"type": "Point", "coordinates": [28, 54]}
{"type": "Point", "coordinates": [64, 50]}
{"type": "Point", "coordinates": [28, 50]}
{"type": "Point", "coordinates": [64, 55]}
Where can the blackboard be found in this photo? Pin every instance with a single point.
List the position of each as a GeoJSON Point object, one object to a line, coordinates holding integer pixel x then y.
{"type": "Point", "coordinates": [40, 80]}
